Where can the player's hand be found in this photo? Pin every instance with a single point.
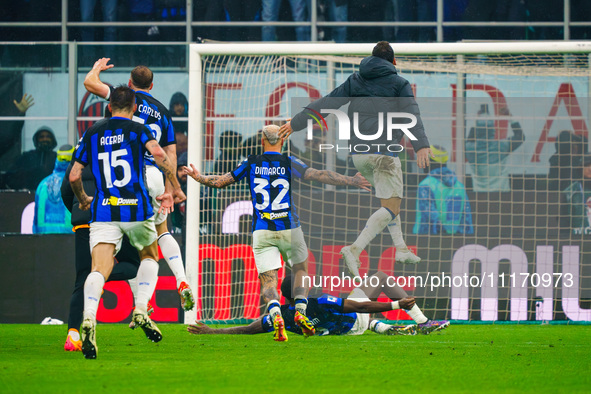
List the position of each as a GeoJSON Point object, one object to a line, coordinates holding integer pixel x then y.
{"type": "Point", "coordinates": [179, 196]}
{"type": "Point", "coordinates": [285, 130]}
{"type": "Point", "coordinates": [101, 64]}
{"type": "Point", "coordinates": [360, 181]}
{"type": "Point", "coordinates": [199, 328]}
{"type": "Point", "coordinates": [84, 205]}
{"type": "Point", "coordinates": [407, 303]}
{"type": "Point", "coordinates": [166, 203]}
{"type": "Point", "coordinates": [192, 172]}
{"type": "Point", "coordinates": [26, 102]}
{"type": "Point", "coordinates": [423, 156]}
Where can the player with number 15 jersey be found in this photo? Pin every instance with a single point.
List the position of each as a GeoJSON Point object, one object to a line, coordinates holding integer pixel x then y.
{"type": "Point", "coordinates": [117, 163]}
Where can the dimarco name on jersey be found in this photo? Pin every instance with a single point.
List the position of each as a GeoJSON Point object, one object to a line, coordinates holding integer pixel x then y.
{"type": "Point", "coordinates": [269, 170]}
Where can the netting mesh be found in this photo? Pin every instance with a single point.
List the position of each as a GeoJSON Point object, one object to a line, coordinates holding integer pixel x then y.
{"type": "Point", "coordinates": [502, 229]}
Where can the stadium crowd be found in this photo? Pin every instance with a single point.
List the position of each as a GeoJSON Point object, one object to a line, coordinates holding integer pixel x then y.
{"type": "Point", "coordinates": [298, 11]}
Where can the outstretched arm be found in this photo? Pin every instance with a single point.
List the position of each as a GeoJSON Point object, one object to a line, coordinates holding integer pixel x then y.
{"type": "Point", "coordinates": [93, 83]}
{"type": "Point", "coordinates": [199, 328]}
{"type": "Point", "coordinates": [334, 178]}
{"type": "Point", "coordinates": [215, 181]}
{"type": "Point", "coordinates": [350, 306]}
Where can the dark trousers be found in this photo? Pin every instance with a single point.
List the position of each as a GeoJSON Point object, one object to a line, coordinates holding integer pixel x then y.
{"type": "Point", "coordinates": [126, 266]}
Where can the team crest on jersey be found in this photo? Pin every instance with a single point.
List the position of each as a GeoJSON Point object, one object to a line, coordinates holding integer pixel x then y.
{"type": "Point", "coordinates": [273, 215]}
{"type": "Point", "coordinates": [119, 201]}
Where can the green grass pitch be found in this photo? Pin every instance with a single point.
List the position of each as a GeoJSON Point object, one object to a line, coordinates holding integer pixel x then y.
{"type": "Point", "coordinates": [462, 358]}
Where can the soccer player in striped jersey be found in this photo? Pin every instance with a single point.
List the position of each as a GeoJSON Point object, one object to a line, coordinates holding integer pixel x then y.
{"type": "Point", "coordinates": [276, 227]}
{"type": "Point", "coordinates": [115, 150]}
{"type": "Point", "coordinates": [156, 116]}
{"type": "Point", "coordinates": [342, 316]}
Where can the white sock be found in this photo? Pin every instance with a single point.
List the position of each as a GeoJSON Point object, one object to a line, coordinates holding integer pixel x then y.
{"type": "Point", "coordinates": [379, 327]}
{"type": "Point", "coordinates": [147, 277]}
{"type": "Point", "coordinates": [274, 309]}
{"type": "Point", "coordinates": [172, 254]}
{"type": "Point", "coordinates": [93, 289]}
{"type": "Point", "coordinates": [417, 315]}
{"type": "Point", "coordinates": [395, 229]}
{"type": "Point", "coordinates": [375, 224]}
{"type": "Point", "coordinates": [301, 304]}
{"type": "Point", "coordinates": [133, 287]}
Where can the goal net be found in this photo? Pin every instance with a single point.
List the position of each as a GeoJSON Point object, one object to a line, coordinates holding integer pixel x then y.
{"type": "Point", "coordinates": [502, 221]}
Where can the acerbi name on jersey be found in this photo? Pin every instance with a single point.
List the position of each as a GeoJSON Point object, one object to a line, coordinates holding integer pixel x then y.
{"type": "Point", "coordinates": [112, 139]}
{"type": "Point", "coordinates": [120, 201]}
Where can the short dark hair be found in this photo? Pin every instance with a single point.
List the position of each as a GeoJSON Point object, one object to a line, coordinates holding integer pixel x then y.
{"type": "Point", "coordinates": [383, 50]}
{"type": "Point", "coordinates": [142, 77]}
{"type": "Point", "coordinates": [122, 99]}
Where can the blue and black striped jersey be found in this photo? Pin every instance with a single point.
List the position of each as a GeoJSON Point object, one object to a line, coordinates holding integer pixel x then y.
{"type": "Point", "coordinates": [325, 312]}
{"type": "Point", "coordinates": [114, 148]}
{"type": "Point", "coordinates": [155, 115]}
{"type": "Point", "coordinates": [270, 179]}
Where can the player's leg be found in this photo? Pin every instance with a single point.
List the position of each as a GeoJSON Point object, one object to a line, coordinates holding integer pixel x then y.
{"type": "Point", "coordinates": [168, 245]}
{"type": "Point", "coordinates": [379, 327]}
{"type": "Point", "coordinates": [147, 277]}
{"type": "Point", "coordinates": [403, 254]}
{"type": "Point", "coordinates": [267, 259]}
{"type": "Point", "coordinates": [172, 254]}
{"type": "Point", "coordinates": [295, 254]}
{"type": "Point", "coordinates": [143, 236]}
{"type": "Point", "coordinates": [269, 281]}
{"type": "Point", "coordinates": [368, 166]}
{"type": "Point", "coordinates": [394, 292]}
{"type": "Point", "coordinates": [102, 264]}
{"type": "Point", "coordinates": [83, 261]}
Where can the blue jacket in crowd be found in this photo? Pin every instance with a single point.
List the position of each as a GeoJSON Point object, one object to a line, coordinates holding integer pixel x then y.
{"type": "Point", "coordinates": [442, 205]}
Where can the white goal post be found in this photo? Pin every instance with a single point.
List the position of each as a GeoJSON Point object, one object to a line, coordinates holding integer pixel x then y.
{"type": "Point", "coordinates": [459, 64]}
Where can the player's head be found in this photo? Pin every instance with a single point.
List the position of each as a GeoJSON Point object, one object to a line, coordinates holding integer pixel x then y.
{"type": "Point", "coordinates": [383, 50]}
{"type": "Point", "coordinates": [141, 78]}
{"type": "Point", "coordinates": [122, 101]}
{"type": "Point", "coordinates": [286, 288]}
{"type": "Point", "coordinates": [271, 139]}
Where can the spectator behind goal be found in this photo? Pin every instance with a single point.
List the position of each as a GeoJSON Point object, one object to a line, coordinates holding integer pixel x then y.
{"type": "Point", "coordinates": [442, 203]}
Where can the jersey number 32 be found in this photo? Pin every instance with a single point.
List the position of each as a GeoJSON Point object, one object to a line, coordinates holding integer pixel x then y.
{"type": "Point", "coordinates": [261, 188]}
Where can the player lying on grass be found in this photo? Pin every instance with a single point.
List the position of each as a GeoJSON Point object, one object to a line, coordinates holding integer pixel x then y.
{"type": "Point", "coordinates": [276, 230]}
{"type": "Point", "coordinates": [338, 316]}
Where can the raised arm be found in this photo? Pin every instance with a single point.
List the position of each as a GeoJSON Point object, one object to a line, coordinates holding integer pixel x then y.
{"type": "Point", "coordinates": [334, 178]}
{"type": "Point", "coordinates": [215, 181]}
{"type": "Point", "coordinates": [93, 83]}
{"type": "Point", "coordinates": [350, 306]}
{"type": "Point", "coordinates": [199, 328]}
